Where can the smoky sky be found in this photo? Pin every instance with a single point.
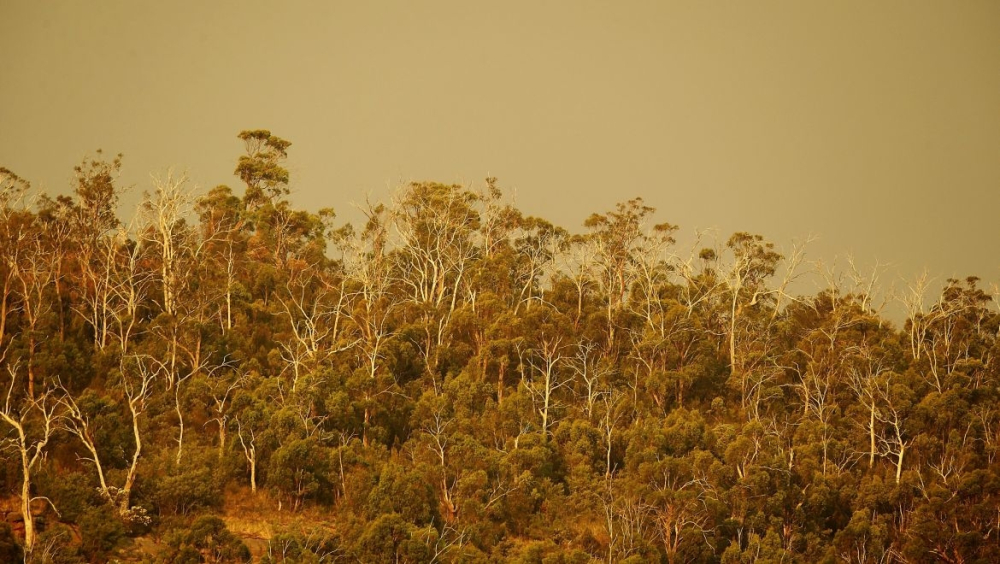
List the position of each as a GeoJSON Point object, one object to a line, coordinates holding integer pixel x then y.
{"type": "Point", "coordinates": [873, 126]}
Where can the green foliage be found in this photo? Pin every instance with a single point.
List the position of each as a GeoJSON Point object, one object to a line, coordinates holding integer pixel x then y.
{"type": "Point", "coordinates": [10, 549]}
{"type": "Point", "coordinates": [206, 540]}
{"type": "Point", "coordinates": [404, 493]}
{"type": "Point", "coordinates": [191, 488]}
{"type": "Point", "coordinates": [391, 537]}
{"type": "Point", "coordinates": [100, 532]}
{"type": "Point", "coordinates": [300, 470]}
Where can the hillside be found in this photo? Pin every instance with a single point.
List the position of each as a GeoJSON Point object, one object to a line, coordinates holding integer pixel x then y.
{"type": "Point", "coordinates": [224, 378]}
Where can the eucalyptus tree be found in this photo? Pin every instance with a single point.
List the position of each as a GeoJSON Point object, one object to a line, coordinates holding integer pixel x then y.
{"type": "Point", "coordinates": [958, 334]}
{"type": "Point", "coordinates": [96, 227]}
{"type": "Point", "coordinates": [34, 272]}
{"type": "Point", "coordinates": [262, 166]}
{"type": "Point", "coordinates": [223, 232]}
{"type": "Point", "coordinates": [746, 269]}
{"type": "Point", "coordinates": [544, 359]}
{"type": "Point", "coordinates": [164, 226]}
{"type": "Point", "coordinates": [436, 226]}
{"type": "Point", "coordinates": [13, 190]}
{"type": "Point", "coordinates": [276, 233]}
{"type": "Point", "coordinates": [32, 421]}
{"type": "Point", "coordinates": [624, 253]}
{"type": "Point", "coordinates": [55, 220]}
{"type": "Point", "coordinates": [538, 245]}
{"type": "Point", "coordinates": [138, 376]}
{"type": "Point", "coordinates": [435, 230]}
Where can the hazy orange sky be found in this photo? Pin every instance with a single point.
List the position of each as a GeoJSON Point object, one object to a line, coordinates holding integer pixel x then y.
{"type": "Point", "coordinates": [873, 125]}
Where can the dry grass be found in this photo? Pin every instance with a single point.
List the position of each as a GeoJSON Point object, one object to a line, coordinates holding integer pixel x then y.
{"type": "Point", "coordinates": [260, 517]}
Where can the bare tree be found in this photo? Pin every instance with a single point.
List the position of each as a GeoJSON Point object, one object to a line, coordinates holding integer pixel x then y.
{"type": "Point", "coordinates": [919, 324]}
{"type": "Point", "coordinates": [866, 375]}
{"type": "Point", "coordinates": [435, 226]}
{"type": "Point", "coordinates": [818, 364]}
{"type": "Point", "coordinates": [221, 390]}
{"type": "Point", "coordinates": [248, 440]}
{"type": "Point", "coordinates": [97, 259]}
{"type": "Point", "coordinates": [893, 441]}
{"type": "Point", "coordinates": [540, 243]}
{"type": "Point", "coordinates": [752, 263]}
{"type": "Point", "coordinates": [626, 520]}
{"type": "Point", "coordinates": [587, 368]}
{"type": "Point", "coordinates": [95, 229]}
{"type": "Point", "coordinates": [128, 286]}
{"type": "Point", "coordinates": [546, 378]}
{"type": "Point", "coordinates": [138, 374]}
{"type": "Point", "coordinates": [12, 234]}
{"type": "Point", "coordinates": [34, 274]}
{"type": "Point", "coordinates": [33, 421]}
{"type": "Point", "coordinates": [437, 431]}
{"type": "Point", "coordinates": [370, 306]}
{"type": "Point", "coordinates": [625, 252]}
{"type": "Point", "coordinates": [577, 264]}
{"type": "Point", "coordinates": [164, 213]}
{"type": "Point", "coordinates": [612, 416]}
{"type": "Point", "coordinates": [680, 512]}
{"type": "Point", "coordinates": [315, 309]}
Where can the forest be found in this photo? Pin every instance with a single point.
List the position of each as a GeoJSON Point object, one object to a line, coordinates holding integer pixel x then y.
{"type": "Point", "coordinates": [224, 378]}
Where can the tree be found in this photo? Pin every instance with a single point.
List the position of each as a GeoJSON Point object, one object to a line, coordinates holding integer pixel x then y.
{"type": "Point", "coordinates": [300, 470]}
{"type": "Point", "coordinates": [618, 239]}
{"type": "Point", "coordinates": [221, 388]}
{"type": "Point", "coordinates": [866, 373]}
{"type": "Point", "coordinates": [12, 232]}
{"type": "Point", "coordinates": [545, 378]}
{"type": "Point", "coordinates": [436, 226]}
{"type": "Point", "coordinates": [34, 274]}
{"type": "Point", "coordinates": [893, 439]}
{"type": "Point", "coordinates": [33, 421]}
{"type": "Point", "coordinates": [261, 167]}
{"type": "Point", "coordinates": [437, 432]}
{"type": "Point", "coordinates": [954, 337]}
{"type": "Point", "coordinates": [138, 375]}
{"type": "Point", "coordinates": [752, 308]}
{"type": "Point", "coordinates": [96, 226]}
{"type": "Point", "coordinates": [225, 242]}
{"type": "Point", "coordinates": [164, 227]}
{"type": "Point", "coordinates": [537, 247]}
{"type": "Point", "coordinates": [682, 514]}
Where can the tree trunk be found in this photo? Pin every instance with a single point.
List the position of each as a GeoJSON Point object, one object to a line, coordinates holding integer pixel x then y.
{"type": "Point", "coordinates": [364, 431]}
{"type": "Point", "coordinates": [126, 493]}
{"type": "Point", "coordinates": [222, 437]}
{"type": "Point", "coordinates": [500, 377]}
{"type": "Point", "coordinates": [899, 462]}
{"type": "Point", "coordinates": [871, 438]}
{"type": "Point", "coordinates": [29, 519]}
{"type": "Point", "coordinates": [31, 364]}
{"type": "Point", "coordinates": [253, 473]}
{"type": "Point", "coordinates": [180, 422]}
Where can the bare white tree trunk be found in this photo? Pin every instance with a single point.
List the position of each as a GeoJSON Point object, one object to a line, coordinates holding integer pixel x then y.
{"type": "Point", "coordinates": [40, 414]}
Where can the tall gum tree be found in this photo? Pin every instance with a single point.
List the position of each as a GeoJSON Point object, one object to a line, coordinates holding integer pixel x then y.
{"type": "Point", "coordinates": [13, 190]}
{"type": "Point", "coordinates": [746, 269]}
{"type": "Point", "coordinates": [95, 230]}
{"type": "Point", "coordinates": [34, 274]}
{"type": "Point", "coordinates": [436, 236]}
{"type": "Point", "coordinates": [621, 246]}
{"type": "Point", "coordinates": [225, 241]}
{"type": "Point", "coordinates": [138, 376]}
{"type": "Point", "coordinates": [33, 422]}
{"type": "Point", "coordinates": [261, 168]}
{"type": "Point", "coordinates": [164, 226]}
